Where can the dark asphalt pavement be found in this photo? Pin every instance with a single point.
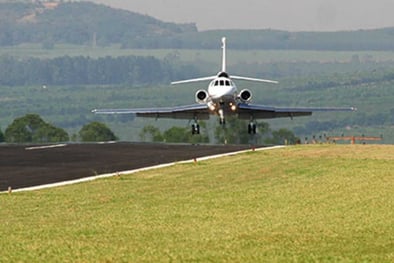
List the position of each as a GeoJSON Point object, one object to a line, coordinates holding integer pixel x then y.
{"type": "Point", "coordinates": [25, 166]}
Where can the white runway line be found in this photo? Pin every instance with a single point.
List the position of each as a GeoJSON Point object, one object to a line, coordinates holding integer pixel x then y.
{"type": "Point", "coordinates": [92, 178]}
{"type": "Point", "coordinates": [45, 147]}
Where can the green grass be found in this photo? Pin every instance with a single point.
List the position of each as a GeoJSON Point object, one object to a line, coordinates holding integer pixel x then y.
{"type": "Point", "coordinates": [321, 203]}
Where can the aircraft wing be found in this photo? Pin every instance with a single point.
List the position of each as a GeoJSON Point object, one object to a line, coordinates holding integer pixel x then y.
{"type": "Point", "coordinates": [245, 111]}
{"type": "Point", "coordinates": [199, 111]}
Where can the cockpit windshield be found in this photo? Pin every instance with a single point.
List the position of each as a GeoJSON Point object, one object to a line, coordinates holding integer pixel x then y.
{"type": "Point", "coordinates": [222, 83]}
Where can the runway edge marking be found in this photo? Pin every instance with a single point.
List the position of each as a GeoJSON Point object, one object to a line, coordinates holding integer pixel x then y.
{"type": "Point", "coordinates": [96, 177]}
{"type": "Point", "coordinates": [45, 147]}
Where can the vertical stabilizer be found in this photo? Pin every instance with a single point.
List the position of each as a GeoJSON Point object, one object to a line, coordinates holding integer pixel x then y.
{"type": "Point", "coordinates": [224, 55]}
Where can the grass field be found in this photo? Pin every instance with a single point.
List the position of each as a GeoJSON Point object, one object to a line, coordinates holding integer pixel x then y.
{"type": "Point", "coordinates": [321, 203]}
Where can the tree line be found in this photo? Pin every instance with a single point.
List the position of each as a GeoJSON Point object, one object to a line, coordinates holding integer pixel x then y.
{"type": "Point", "coordinates": [31, 128]}
{"type": "Point", "coordinates": [234, 132]}
{"type": "Point", "coordinates": [66, 70]}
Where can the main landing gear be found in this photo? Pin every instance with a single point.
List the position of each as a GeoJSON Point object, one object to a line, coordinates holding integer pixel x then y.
{"type": "Point", "coordinates": [252, 128]}
{"type": "Point", "coordinates": [195, 128]}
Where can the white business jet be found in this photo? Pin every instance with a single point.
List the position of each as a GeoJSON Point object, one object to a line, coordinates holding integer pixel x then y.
{"type": "Point", "coordinates": [222, 99]}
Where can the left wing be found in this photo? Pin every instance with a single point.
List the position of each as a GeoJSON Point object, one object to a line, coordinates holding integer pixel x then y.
{"type": "Point", "coordinates": [245, 111]}
{"type": "Point", "coordinates": [199, 111]}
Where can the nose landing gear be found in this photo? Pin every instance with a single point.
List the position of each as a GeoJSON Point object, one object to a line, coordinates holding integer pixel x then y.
{"type": "Point", "coordinates": [222, 121]}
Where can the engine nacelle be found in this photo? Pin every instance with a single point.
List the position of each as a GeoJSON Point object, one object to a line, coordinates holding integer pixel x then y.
{"type": "Point", "coordinates": [201, 96]}
{"type": "Point", "coordinates": [245, 95]}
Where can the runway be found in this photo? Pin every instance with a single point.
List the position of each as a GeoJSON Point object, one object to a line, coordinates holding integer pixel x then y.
{"type": "Point", "coordinates": [24, 166]}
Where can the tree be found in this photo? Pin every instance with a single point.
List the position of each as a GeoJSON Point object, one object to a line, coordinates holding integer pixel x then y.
{"type": "Point", "coordinates": [181, 134]}
{"type": "Point", "coordinates": [236, 132]}
{"type": "Point", "coordinates": [31, 128]}
{"type": "Point", "coordinates": [96, 132]}
{"type": "Point", "coordinates": [2, 138]}
{"type": "Point", "coordinates": [283, 136]}
{"type": "Point", "coordinates": [174, 135]}
{"type": "Point", "coordinates": [49, 133]}
{"type": "Point", "coordinates": [151, 133]}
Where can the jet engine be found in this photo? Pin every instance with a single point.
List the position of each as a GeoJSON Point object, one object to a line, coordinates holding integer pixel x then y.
{"type": "Point", "coordinates": [245, 95]}
{"type": "Point", "coordinates": [201, 96]}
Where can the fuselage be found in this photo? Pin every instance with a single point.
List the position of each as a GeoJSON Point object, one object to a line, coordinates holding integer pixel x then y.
{"type": "Point", "coordinates": [222, 90]}
{"type": "Point", "coordinates": [222, 97]}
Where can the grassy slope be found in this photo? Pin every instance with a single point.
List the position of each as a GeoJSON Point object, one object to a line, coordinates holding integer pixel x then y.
{"type": "Point", "coordinates": [306, 203]}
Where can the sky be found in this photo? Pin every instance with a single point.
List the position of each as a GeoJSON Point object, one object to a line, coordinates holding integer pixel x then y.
{"type": "Point", "coordinates": [292, 15]}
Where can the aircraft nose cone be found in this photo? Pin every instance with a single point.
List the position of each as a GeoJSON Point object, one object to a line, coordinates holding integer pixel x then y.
{"type": "Point", "coordinates": [221, 91]}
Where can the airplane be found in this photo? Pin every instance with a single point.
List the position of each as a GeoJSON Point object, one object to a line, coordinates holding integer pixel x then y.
{"type": "Point", "coordinates": [222, 98]}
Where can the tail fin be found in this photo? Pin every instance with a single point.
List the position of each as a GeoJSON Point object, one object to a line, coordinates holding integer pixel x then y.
{"type": "Point", "coordinates": [224, 55]}
{"type": "Point", "coordinates": [223, 72]}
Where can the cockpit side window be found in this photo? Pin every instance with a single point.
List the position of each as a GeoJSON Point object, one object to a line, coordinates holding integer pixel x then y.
{"type": "Point", "coordinates": [217, 83]}
{"type": "Point", "coordinates": [227, 83]}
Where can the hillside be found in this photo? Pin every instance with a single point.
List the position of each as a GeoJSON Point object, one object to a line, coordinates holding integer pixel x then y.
{"type": "Point", "coordinates": [86, 23]}
{"type": "Point", "coordinates": [78, 23]}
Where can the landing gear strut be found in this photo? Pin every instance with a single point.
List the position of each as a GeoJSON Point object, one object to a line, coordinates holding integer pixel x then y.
{"type": "Point", "coordinates": [222, 121]}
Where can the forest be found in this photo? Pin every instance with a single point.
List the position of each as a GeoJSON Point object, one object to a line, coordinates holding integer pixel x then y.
{"type": "Point", "coordinates": [132, 70]}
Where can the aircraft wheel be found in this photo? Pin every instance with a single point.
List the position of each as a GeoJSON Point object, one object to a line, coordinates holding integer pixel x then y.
{"type": "Point", "coordinates": [252, 128]}
{"type": "Point", "coordinates": [195, 128]}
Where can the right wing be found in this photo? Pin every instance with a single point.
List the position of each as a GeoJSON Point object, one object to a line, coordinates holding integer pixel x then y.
{"type": "Point", "coordinates": [245, 111]}
{"type": "Point", "coordinates": [199, 111]}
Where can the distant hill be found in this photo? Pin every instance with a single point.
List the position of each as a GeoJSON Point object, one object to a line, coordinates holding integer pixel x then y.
{"type": "Point", "coordinates": [78, 23]}
{"type": "Point", "coordinates": [86, 23]}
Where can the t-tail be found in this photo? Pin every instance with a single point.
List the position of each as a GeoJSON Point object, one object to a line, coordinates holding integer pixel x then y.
{"type": "Point", "coordinates": [223, 73]}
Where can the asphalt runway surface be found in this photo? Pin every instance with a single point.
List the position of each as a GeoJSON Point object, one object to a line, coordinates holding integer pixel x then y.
{"type": "Point", "coordinates": [24, 166]}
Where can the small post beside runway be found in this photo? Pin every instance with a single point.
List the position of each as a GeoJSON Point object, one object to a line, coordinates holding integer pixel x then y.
{"type": "Point", "coordinates": [9, 190]}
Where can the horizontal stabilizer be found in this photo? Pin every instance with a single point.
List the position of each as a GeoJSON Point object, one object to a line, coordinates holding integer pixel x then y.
{"type": "Point", "coordinates": [193, 80]}
{"type": "Point", "coordinates": [254, 79]}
